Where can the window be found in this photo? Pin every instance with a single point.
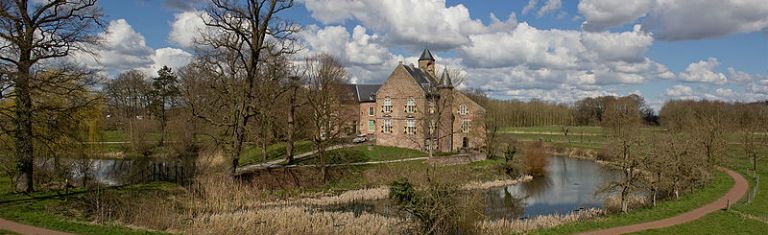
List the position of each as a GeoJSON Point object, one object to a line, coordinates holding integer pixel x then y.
{"type": "Point", "coordinates": [432, 126]}
{"type": "Point", "coordinates": [387, 105]}
{"type": "Point", "coordinates": [463, 110]}
{"type": "Point", "coordinates": [371, 126]}
{"type": "Point", "coordinates": [410, 127]}
{"type": "Point", "coordinates": [370, 111]}
{"type": "Point", "coordinates": [410, 105]}
{"type": "Point", "coordinates": [387, 126]}
{"type": "Point", "coordinates": [431, 107]}
{"type": "Point", "coordinates": [465, 126]}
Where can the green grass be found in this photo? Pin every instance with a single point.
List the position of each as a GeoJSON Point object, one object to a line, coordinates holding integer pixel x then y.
{"type": "Point", "coordinates": [120, 136]}
{"type": "Point", "coordinates": [48, 209]}
{"type": "Point", "coordinates": [6, 232]}
{"type": "Point", "coordinates": [360, 153]}
{"type": "Point", "coordinates": [253, 153]}
{"type": "Point", "coordinates": [720, 185]}
{"type": "Point", "coordinates": [721, 222]}
{"type": "Point", "coordinates": [558, 129]}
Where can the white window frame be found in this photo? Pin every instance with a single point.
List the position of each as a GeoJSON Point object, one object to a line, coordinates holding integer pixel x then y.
{"type": "Point", "coordinates": [371, 111]}
{"type": "Point", "coordinates": [387, 105]}
{"type": "Point", "coordinates": [371, 126]}
{"type": "Point", "coordinates": [387, 126]}
{"type": "Point", "coordinates": [465, 126]}
{"type": "Point", "coordinates": [410, 105]}
{"type": "Point", "coordinates": [463, 110]}
{"type": "Point", "coordinates": [410, 126]}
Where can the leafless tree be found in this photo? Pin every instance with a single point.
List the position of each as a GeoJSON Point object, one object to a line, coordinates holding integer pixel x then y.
{"type": "Point", "coordinates": [621, 118]}
{"type": "Point", "coordinates": [241, 36]}
{"type": "Point", "coordinates": [324, 75]}
{"type": "Point", "coordinates": [33, 32]}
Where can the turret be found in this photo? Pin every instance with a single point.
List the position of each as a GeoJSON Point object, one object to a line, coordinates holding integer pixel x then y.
{"type": "Point", "coordinates": [445, 81]}
{"type": "Point", "coordinates": [427, 62]}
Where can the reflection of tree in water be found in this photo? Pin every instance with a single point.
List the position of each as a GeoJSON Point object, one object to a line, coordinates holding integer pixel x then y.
{"type": "Point", "coordinates": [537, 186]}
{"type": "Point", "coordinates": [504, 206]}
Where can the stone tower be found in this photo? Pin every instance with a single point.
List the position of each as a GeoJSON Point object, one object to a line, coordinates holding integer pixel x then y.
{"type": "Point", "coordinates": [427, 62]}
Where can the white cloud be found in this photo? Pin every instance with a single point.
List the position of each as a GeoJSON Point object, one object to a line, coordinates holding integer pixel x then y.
{"type": "Point", "coordinates": [413, 23]}
{"type": "Point", "coordinates": [679, 91]}
{"type": "Point", "coordinates": [550, 6]}
{"type": "Point", "coordinates": [603, 14]}
{"type": "Point", "coordinates": [702, 71]}
{"type": "Point", "coordinates": [186, 28]}
{"type": "Point", "coordinates": [625, 46]}
{"type": "Point", "coordinates": [531, 4]}
{"type": "Point", "coordinates": [359, 48]}
{"type": "Point", "coordinates": [172, 57]}
{"type": "Point", "coordinates": [678, 20]}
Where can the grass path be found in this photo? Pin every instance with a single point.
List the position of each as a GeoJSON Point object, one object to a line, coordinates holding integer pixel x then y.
{"type": "Point", "coordinates": [738, 191]}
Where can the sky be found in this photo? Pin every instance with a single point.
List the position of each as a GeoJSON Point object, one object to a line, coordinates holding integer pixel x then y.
{"type": "Point", "coordinates": [552, 50]}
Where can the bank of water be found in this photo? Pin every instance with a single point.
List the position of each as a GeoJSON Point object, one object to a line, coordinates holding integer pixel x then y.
{"type": "Point", "coordinates": [569, 185]}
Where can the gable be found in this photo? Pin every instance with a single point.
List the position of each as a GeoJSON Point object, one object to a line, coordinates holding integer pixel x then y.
{"type": "Point", "coordinates": [400, 83]}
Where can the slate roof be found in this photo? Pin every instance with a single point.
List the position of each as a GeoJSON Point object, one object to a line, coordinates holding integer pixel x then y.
{"type": "Point", "coordinates": [426, 55]}
{"type": "Point", "coordinates": [425, 81]}
{"type": "Point", "coordinates": [359, 92]}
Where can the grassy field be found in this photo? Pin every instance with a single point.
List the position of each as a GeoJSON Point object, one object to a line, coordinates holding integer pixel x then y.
{"type": "Point", "coordinates": [717, 223]}
{"type": "Point", "coordinates": [744, 218]}
{"type": "Point", "coordinates": [721, 184]}
{"type": "Point", "coordinates": [361, 153]}
{"type": "Point", "coordinates": [253, 154]}
{"type": "Point", "coordinates": [51, 210]}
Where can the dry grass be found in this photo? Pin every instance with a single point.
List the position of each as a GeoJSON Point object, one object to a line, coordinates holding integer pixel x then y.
{"type": "Point", "coordinates": [524, 226]}
{"type": "Point", "coordinates": [477, 185]}
{"type": "Point", "coordinates": [297, 220]}
{"type": "Point", "coordinates": [536, 159]}
{"type": "Point", "coordinates": [613, 203]}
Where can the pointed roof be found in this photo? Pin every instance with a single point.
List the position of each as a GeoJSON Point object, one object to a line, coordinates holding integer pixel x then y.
{"type": "Point", "coordinates": [445, 80]}
{"type": "Point", "coordinates": [426, 55]}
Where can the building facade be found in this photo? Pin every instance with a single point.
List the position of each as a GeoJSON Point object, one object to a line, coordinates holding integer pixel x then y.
{"type": "Point", "coordinates": [414, 109]}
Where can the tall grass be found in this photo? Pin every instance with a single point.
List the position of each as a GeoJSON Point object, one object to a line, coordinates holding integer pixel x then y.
{"type": "Point", "coordinates": [524, 226]}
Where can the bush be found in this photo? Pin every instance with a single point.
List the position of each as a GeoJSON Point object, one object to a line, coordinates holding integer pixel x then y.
{"type": "Point", "coordinates": [536, 159]}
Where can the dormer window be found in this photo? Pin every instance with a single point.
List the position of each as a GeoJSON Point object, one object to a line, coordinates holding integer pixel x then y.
{"type": "Point", "coordinates": [410, 105]}
{"type": "Point", "coordinates": [463, 110]}
{"type": "Point", "coordinates": [387, 105]}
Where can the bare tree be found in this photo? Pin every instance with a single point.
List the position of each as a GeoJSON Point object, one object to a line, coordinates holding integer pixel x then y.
{"type": "Point", "coordinates": [621, 118]}
{"type": "Point", "coordinates": [242, 35]}
{"type": "Point", "coordinates": [33, 32]}
{"type": "Point", "coordinates": [324, 75]}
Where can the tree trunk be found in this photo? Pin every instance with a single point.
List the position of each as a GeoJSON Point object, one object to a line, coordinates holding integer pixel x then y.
{"type": "Point", "coordinates": [23, 135]}
{"type": "Point", "coordinates": [162, 122]}
{"type": "Point", "coordinates": [291, 114]}
{"type": "Point", "coordinates": [624, 203]}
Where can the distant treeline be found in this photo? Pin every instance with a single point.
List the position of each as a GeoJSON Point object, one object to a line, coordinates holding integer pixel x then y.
{"type": "Point", "coordinates": [591, 111]}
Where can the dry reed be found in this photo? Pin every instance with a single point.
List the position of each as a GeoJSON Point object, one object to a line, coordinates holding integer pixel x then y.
{"type": "Point", "coordinates": [524, 226]}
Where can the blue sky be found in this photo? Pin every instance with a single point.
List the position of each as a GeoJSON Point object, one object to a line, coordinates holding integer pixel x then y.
{"type": "Point", "coordinates": [553, 50]}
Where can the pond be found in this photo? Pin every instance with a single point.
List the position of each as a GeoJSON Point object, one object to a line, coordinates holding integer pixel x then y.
{"type": "Point", "coordinates": [115, 172]}
{"type": "Point", "coordinates": [570, 185]}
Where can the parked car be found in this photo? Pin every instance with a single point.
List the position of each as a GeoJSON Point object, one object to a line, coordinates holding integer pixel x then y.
{"type": "Point", "coordinates": [360, 139]}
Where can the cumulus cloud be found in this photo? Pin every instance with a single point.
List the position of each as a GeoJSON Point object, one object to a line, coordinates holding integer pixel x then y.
{"type": "Point", "coordinates": [550, 6]}
{"type": "Point", "coordinates": [125, 49]}
{"type": "Point", "coordinates": [358, 48]}
{"type": "Point", "coordinates": [408, 22]}
{"type": "Point", "coordinates": [603, 14]}
{"type": "Point", "coordinates": [679, 91]}
{"type": "Point", "coordinates": [702, 71]}
{"type": "Point", "coordinates": [678, 20]}
{"type": "Point", "coordinates": [186, 28]}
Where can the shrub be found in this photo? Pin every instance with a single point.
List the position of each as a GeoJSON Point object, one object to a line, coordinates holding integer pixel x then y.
{"type": "Point", "coordinates": [536, 159]}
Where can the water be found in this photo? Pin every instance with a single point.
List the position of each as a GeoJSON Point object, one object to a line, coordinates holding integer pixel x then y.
{"type": "Point", "coordinates": [570, 185]}
{"type": "Point", "coordinates": [115, 172]}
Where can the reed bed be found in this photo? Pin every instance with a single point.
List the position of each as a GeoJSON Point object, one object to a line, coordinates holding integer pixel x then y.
{"type": "Point", "coordinates": [477, 185]}
{"type": "Point", "coordinates": [298, 220]}
{"type": "Point", "coordinates": [504, 226]}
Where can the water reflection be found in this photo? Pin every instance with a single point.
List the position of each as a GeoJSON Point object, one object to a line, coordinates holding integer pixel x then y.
{"type": "Point", "coordinates": [114, 172]}
{"type": "Point", "coordinates": [570, 185]}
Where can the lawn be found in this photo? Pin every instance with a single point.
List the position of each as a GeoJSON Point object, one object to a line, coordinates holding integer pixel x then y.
{"type": "Point", "coordinates": [361, 153]}
{"type": "Point", "coordinates": [733, 222]}
{"type": "Point", "coordinates": [48, 209]}
{"type": "Point", "coordinates": [253, 153]}
{"type": "Point", "coordinates": [720, 185]}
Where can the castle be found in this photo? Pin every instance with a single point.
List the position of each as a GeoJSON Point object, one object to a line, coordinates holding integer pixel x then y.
{"type": "Point", "coordinates": [414, 109]}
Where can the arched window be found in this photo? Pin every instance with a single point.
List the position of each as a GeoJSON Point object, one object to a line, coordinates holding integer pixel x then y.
{"type": "Point", "coordinates": [410, 105]}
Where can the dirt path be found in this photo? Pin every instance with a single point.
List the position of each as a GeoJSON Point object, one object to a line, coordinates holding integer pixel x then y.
{"type": "Point", "coordinates": [26, 229]}
{"type": "Point", "coordinates": [275, 163]}
{"type": "Point", "coordinates": [738, 191]}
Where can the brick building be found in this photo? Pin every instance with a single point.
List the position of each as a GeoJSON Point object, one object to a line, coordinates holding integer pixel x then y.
{"type": "Point", "coordinates": [414, 109]}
